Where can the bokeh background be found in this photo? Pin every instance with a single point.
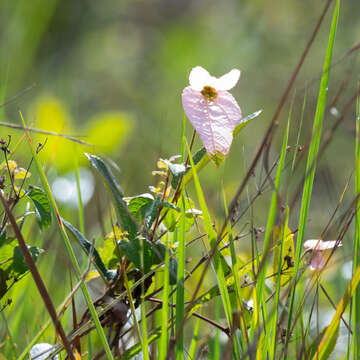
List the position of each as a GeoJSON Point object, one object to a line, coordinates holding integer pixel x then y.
{"type": "Point", "coordinates": [112, 72]}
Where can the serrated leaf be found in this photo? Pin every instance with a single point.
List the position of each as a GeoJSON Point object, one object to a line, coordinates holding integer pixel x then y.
{"type": "Point", "coordinates": [19, 265]}
{"type": "Point", "coordinates": [125, 218]}
{"type": "Point", "coordinates": [86, 245]}
{"type": "Point", "coordinates": [42, 206]}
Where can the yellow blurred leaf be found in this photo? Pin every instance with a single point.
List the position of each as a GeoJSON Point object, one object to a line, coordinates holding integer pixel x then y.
{"type": "Point", "coordinates": [22, 174]}
{"type": "Point", "coordinates": [51, 114]}
{"type": "Point", "coordinates": [109, 131]}
{"type": "Point", "coordinates": [92, 275]}
{"type": "Point", "coordinates": [12, 165]}
{"type": "Point", "coordinates": [287, 255]}
{"type": "Point", "coordinates": [77, 355]}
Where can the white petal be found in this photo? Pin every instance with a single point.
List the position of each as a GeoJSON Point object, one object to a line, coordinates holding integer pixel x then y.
{"type": "Point", "coordinates": [214, 121]}
{"type": "Point", "coordinates": [228, 81]}
{"type": "Point", "coordinates": [199, 77]}
{"type": "Point", "coordinates": [321, 245]}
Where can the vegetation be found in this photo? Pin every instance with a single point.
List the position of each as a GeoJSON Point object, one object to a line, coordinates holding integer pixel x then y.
{"type": "Point", "coordinates": [232, 252]}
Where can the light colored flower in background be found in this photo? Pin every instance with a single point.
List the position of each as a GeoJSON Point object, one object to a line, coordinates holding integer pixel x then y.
{"type": "Point", "coordinates": [42, 351]}
{"type": "Point", "coordinates": [212, 110]}
{"type": "Point", "coordinates": [318, 246]}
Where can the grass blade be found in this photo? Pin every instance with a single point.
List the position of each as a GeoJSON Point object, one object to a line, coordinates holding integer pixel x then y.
{"type": "Point", "coordinates": [269, 229]}
{"type": "Point", "coordinates": [180, 296]}
{"type": "Point", "coordinates": [331, 333]}
{"type": "Point", "coordinates": [356, 263]}
{"type": "Point", "coordinates": [67, 244]}
{"type": "Point", "coordinates": [194, 341]}
{"type": "Point", "coordinates": [212, 236]}
{"type": "Point", "coordinates": [312, 155]}
{"type": "Point", "coordinates": [163, 346]}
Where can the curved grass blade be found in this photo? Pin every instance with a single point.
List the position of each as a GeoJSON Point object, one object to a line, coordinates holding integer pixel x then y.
{"type": "Point", "coordinates": [330, 336]}
{"type": "Point", "coordinates": [212, 236]}
{"type": "Point", "coordinates": [67, 243]}
{"type": "Point", "coordinates": [312, 155]}
{"type": "Point", "coordinates": [356, 262]}
{"type": "Point", "coordinates": [86, 245]}
{"type": "Point", "coordinates": [126, 220]}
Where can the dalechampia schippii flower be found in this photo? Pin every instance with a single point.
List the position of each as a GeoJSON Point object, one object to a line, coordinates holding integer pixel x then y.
{"type": "Point", "coordinates": [212, 110]}
{"type": "Point", "coordinates": [317, 246]}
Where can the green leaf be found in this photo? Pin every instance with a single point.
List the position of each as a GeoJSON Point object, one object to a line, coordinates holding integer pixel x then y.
{"type": "Point", "coordinates": [19, 265]}
{"type": "Point", "coordinates": [86, 245]}
{"type": "Point", "coordinates": [42, 206]}
{"type": "Point", "coordinates": [134, 249]}
{"type": "Point", "coordinates": [139, 205]}
{"type": "Point", "coordinates": [176, 170]}
{"type": "Point", "coordinates": [108, 253]}
{"type": "Point", "coordinates": [173, 216]}
{"type": "Point", "coordinates": [145, 207]}
{"type": "Point", "coordinates": [153, 253]}
{"type": "Point", "coordinates": [6, 253]}
{"type": "Point", "coordinates": [125, 218]}
{"type": "Point", "coordinates": [245, 121]}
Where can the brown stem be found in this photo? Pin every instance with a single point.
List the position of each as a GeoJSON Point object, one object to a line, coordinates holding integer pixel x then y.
{"type": "Point", "coordinates": [37, 278]}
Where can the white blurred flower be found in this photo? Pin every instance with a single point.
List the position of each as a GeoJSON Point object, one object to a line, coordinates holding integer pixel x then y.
{"type": "Point", "coordinates": [41, 352]}
{"type": "Point", "coordinates": [318, 246]}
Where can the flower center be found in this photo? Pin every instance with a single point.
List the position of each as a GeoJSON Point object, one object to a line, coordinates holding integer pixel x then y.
{"type": "Point", "coordinates": [209, 92]}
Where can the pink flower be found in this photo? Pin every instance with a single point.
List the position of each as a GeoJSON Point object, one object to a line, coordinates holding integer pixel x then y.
{"type": "Point", "coordinates": [212, 110]}
{"type": "Point", "coordinates": [317, 246]}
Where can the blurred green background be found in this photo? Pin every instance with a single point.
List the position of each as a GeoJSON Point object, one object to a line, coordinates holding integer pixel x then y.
{"type": "Point", "coordinates": [113, 72]}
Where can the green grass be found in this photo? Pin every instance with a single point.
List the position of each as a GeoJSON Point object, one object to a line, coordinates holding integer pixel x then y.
{"type": "Point", "coordinates": [198, 278]}
{"type": "Point", "coordinates": [312, 158]}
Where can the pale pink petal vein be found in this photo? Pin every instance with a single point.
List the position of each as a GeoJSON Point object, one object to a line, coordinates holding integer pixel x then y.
{"type": "Point", "coordinates": [213, 120]}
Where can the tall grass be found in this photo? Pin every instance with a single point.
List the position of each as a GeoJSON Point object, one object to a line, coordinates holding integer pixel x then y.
{"type": "Point", "coordinates": [179, 274]}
